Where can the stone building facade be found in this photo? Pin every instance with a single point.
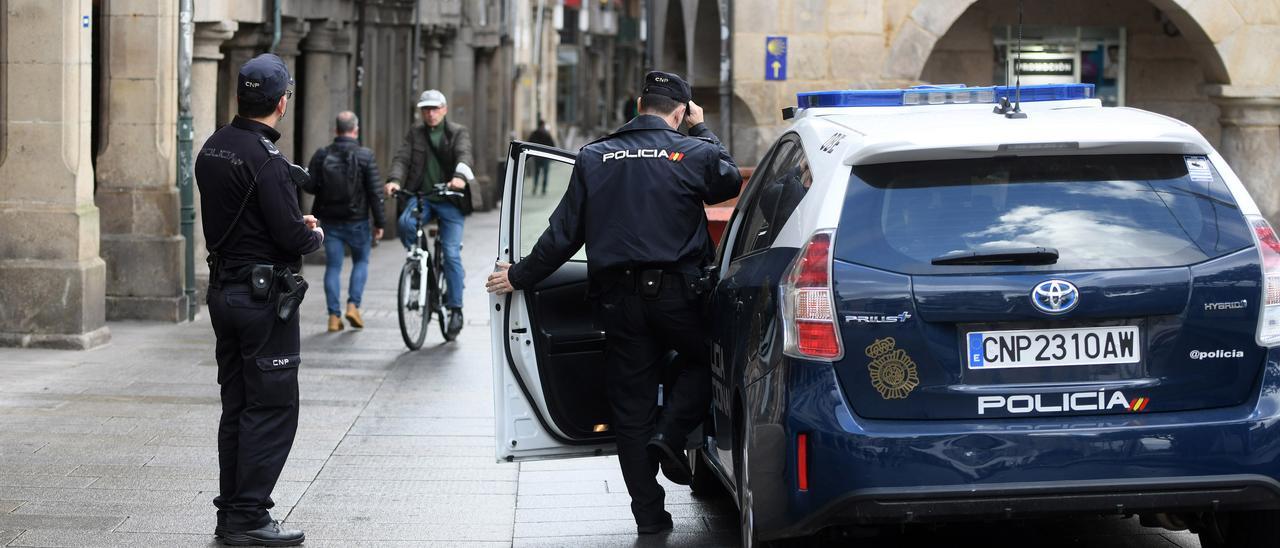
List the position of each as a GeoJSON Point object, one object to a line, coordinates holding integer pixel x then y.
{"type": "Point", "coordinates": [89, 201]}
{"type": "Point", "coordinates": [1210, 63]}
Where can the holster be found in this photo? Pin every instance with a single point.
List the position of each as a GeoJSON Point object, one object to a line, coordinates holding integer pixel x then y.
{"type": "Point", "coordinates": [290, 290]}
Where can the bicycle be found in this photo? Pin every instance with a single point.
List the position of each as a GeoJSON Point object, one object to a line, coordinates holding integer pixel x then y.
{"type": "Point", "coordinates": [423, 268]}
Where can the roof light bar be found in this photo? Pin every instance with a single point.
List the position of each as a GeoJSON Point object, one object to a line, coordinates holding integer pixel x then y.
{"type": "Point", "coordinates": [941, 95]}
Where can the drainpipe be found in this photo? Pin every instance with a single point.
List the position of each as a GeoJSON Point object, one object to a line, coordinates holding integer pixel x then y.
{"type": "Point", "coordinates": [186, 133]}
{"type": "Point", "coordinates": [275, 25]}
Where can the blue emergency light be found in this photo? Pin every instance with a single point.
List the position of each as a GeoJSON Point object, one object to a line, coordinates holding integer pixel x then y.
{"type": "Point", "coordinates": [956, 94]}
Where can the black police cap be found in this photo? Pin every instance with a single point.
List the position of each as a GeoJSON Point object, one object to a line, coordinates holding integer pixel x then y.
{"type": "Point", "coordinates": [263, 79]}
{"type": "Point", "coordinates": [667, 84]}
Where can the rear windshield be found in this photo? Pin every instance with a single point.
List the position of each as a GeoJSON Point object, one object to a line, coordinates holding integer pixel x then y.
{"type": "Point", "coordinates": [1099, 212]}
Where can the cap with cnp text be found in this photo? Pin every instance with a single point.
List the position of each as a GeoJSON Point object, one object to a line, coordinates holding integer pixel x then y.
{"type": "Point", "coordinates": [264, 79]}
{"type": "Point", "coordinates": [667, 84]}
{"type": "Point", "coordinates": [431, 98]}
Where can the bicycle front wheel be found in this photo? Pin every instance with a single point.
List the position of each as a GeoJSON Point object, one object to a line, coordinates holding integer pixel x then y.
{"type": "Point", "coordinates": [413, 318]}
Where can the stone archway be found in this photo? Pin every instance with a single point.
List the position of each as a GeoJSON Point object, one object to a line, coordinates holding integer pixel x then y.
{"type": "Point", "coordinates": [1233, 98]}
{"type": "Point", "coordinates": [1200, 22]}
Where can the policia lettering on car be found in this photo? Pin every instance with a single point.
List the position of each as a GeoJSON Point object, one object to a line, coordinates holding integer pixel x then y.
{"type": "Point", "coordinates": [1070, 401]}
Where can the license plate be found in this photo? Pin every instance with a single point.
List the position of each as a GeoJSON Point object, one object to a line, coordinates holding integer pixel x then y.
{"type": "Point", "coordinates": [1054, 347]}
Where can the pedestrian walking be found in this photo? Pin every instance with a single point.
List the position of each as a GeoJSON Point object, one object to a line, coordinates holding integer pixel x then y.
{"type": "Point", "coordinates": [348, 189]}
{"type": "Point", "coordinates": [256, 237]}
{"type": "Point", "coordinates": [541, 166]}
{"type": "Point", "coordinates": [433, 152]}
{"type": "Point", "coordinates": [635, 199]}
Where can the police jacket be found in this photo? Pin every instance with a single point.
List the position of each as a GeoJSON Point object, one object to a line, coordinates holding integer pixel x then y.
{"type": "Point", "coordinates": [636, 199]}
{"type": "Point", "coordinates": [410, 163]}
{"type": "Point", "coordinates": [271, 229]}
{"type": "Point", "coordinates": [344, 200]}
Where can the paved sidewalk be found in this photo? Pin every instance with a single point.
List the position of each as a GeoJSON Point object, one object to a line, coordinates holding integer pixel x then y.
{"type": "Point", "coordinates": [117, 446]}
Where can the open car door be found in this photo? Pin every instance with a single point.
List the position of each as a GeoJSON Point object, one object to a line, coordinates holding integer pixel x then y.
{"type": "Point", "coordinates": [548, 351]}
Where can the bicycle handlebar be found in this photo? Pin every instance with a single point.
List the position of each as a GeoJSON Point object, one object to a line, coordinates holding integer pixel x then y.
{"type": "Point", "coordinates": [441, 189]}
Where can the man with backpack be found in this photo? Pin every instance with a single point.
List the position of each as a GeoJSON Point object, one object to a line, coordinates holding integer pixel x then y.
{"type": "Point", "coordinates": [345, 180]}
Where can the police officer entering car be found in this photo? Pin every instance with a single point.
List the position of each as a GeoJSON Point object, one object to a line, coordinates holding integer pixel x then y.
{"type": "Point", "coordinates": [636, 201]}
{"type": "Point", "coordinates": [257, 236]}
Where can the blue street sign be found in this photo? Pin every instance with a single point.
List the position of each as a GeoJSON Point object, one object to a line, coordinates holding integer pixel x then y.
{"type": "Point", "coordinates": [775, 57]}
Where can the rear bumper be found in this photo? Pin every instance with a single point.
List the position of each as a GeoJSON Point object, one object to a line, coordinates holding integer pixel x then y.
{"type": "Point", "coordinates": [905, 505]}
{"type": "Point", "coordinates": [865, 472]}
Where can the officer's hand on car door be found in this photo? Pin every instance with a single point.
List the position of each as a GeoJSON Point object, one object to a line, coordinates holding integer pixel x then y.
{"type": "Point", "coordinates": [694, 116]}
{"type": "Point", "coordinates": [500, 282]}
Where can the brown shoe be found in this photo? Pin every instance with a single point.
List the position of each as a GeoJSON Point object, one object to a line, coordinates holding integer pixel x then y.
{"type": "Point", "coordinates": [353, 316]}
{"type": "Point", "coordinates": [335, 323]}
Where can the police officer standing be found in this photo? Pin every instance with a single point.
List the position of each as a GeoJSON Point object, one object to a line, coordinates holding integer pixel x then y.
{"type": "Point", "coordinates": [635, 200]}
{"type": "Point", "coordinates": [257, 236]}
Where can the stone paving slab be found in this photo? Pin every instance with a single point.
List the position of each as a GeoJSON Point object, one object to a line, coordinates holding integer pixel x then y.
{"type": "Point", "coordinates": [421, 532]}
{"type": "Point", "coordinates": [63, 538]}
{"type": "Point", "coordinates": [630, 540]}
{"type": "Point", "coordinates": [29, 521]}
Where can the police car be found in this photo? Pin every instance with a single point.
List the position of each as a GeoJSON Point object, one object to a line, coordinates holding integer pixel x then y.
{"type": "Point", "coordinates": [935, 306]}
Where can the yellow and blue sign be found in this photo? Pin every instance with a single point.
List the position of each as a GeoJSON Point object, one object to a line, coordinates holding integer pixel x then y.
{"type": "Point", "coordinates": [775, 58]}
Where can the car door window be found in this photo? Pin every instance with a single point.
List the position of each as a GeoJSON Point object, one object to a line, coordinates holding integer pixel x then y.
{"type": "Point", "coordinates": [545, 181]}
{"type": "Point", "coordinates": [759, 225]}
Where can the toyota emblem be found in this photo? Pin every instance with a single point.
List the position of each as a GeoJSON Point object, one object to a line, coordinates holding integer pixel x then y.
{"type": "Point", "coordinates": [1055, 296]}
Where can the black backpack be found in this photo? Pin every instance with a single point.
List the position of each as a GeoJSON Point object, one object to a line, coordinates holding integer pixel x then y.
{"type": "Point", "coordinates": [340, 192]}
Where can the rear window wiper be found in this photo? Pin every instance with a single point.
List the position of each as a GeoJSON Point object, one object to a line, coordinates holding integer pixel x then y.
{"type": "Point", "coordinates": [1008, 255]}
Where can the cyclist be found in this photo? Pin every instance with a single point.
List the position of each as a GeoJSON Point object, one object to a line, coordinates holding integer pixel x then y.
{"type": "Point", "coordinates": [437, 151]}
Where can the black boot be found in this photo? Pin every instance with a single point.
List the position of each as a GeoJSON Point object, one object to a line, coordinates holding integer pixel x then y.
{"type": "Point", "coordinates": [270, 534]}
{"type": "Point", "coordinates": [675, 464]}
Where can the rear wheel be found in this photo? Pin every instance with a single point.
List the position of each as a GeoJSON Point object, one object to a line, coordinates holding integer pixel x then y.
{"type": "Point", "coordinates": [413, 318]}
{"type": "Point", "coordinates": [1257, 529]}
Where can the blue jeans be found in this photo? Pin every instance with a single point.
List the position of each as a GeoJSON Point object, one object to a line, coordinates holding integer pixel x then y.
{"type": "Point", "coordinates": [451, 220]}
{"type": "Point", "coordinates": [337, 235]}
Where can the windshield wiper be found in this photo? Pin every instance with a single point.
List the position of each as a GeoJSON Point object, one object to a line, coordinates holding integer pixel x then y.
{"type": "Point", "coordinates": [1008, 255]}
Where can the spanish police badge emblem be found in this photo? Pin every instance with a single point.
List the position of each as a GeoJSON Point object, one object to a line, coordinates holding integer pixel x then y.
{"type": "Point", "coordinates": [893, 372]}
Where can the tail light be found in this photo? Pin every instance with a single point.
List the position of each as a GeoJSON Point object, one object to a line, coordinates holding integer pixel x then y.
{"type": "Point", "coordinates": [1269, 249]}
{"type": "Point", "coordinates": [808, 305]}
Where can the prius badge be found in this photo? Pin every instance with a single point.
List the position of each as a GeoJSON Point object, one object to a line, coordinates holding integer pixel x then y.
{"type": "Point", "coordinates": [1055, 296]}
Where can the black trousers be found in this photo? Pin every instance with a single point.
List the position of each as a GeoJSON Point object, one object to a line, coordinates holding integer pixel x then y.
{"type": "Point", "coordinates": [258, 371]}
{"type": "Point", "coordinates": [642, 332]}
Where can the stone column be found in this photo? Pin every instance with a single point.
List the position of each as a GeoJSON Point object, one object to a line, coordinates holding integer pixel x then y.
{"type": "Point", "coordinates": [248, 41]}
{"type": "Point", "coordinates": [340, 83]}
{"type": "Point", "coordinates": [1251, 144]}
{"type": "Point", "coordinates": [291, 33]}
{"type": "Point", "coordinates": [313, 95]}
{"type": "Point", "coordinates": [54, 282]}
{"type": "Point", "coordinates": [137, 193]}
{"type": "Point", "coordinates": [434, 45]}
{"type": "Point", "coordinates": [204, 111]}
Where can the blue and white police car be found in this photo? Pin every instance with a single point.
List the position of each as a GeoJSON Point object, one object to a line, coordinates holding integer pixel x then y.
{"type": "Point", "coordinates": [935, 306]}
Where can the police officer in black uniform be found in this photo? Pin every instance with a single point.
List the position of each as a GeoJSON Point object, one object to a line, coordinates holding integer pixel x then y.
{"type": "Point", "coordinates": [256, 236]}
{"type": "Point", "coordinates": [636, 201]}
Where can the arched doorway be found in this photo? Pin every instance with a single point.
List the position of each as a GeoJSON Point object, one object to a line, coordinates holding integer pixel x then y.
{"type": "Point", "coordinates": [1166, 55]}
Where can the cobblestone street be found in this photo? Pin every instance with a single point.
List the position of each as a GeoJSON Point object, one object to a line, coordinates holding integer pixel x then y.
{"type": "Point", "coordinates": [116, 446]}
